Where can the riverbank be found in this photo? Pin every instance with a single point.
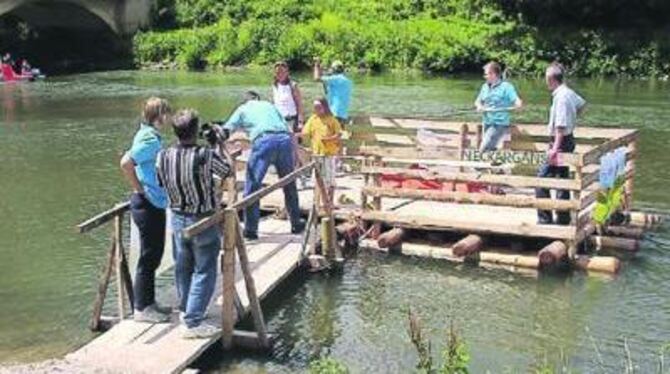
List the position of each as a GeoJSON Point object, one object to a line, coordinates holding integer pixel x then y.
{"type": "Point", "coordinates": [454, 36]}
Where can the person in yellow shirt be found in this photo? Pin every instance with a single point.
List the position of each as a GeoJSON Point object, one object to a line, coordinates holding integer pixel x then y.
{"type": "Point", "coordinates": [325, 133]}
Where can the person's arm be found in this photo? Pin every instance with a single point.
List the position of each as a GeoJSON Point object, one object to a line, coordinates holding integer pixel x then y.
{"type": "Point", "coordinates": [220, 167]}
{"type": "Point", "coordinates": [235, 121]}
{"type": "Point", "coordinates": [317, 73]}
{"type": "Point", "coordinates": [479, 101]}
{"type": "Point", "coordinates": [128, 169]}
{"type": "Point", "coordinates": [581, 105]}
{"type": "Point", "coordinates": [297, 97]}
{"type": "Point", "coordinates": [552, 155]}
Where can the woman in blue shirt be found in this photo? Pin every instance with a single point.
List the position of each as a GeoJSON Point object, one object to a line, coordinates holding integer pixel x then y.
{"type": "Point", "coordinates": [147, 206]}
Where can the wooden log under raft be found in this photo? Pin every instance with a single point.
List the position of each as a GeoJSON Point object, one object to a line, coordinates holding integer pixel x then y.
{"type": "Point", "coordinates": [602, 264]}
{"type": "Point", "coordinates": [553, 254]}
{"type": "Point", "coordinates": [468, 246]}
{"type": "Point", "coordinates": [613, 242]}
{"type": "Point", "coordinates": [391, 238]}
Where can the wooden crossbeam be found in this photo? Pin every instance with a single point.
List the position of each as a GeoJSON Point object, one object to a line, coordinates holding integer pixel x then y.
{"type": "Point", "coordinates": [516, 201]}
{"type": "Point", "coordinates": [457, 224]}
{"type": "Point", "coordinates": [103, 217]}
{"type": "Point", "coordinates": [204, 223]}
{"type": "Point", "coordinates": [474, 177]}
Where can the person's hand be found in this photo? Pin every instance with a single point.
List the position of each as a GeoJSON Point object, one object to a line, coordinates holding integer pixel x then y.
{"type": "Point", "coordinates": [552, 157]}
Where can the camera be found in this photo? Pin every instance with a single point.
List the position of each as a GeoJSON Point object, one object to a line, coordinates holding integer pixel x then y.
{"type": "Point", "coordinates": [213, 132]}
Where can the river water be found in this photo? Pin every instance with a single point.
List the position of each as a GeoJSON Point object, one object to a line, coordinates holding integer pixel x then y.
{"type": "Point", "coordinates": [60, 142]}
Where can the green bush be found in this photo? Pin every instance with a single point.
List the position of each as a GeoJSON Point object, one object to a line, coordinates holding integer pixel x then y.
{"type": "Point", "coordinates": [430, 35]}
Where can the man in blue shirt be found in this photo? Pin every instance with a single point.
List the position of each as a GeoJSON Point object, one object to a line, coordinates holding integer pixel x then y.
{"type": "Point", "coordinates": [147, 207]}
{"type": "Point", "coordinates": [272, 144]}
{"type": "Point", "coordinates": [496, 99]}
{"type": "Point", "coordinates": [338, 89]}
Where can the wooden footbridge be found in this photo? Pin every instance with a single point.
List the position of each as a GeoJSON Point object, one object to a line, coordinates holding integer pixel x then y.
{"type": "Point", "coordinates": [451, 222]}
{"type": "Point", "coordinates": [249, 272]}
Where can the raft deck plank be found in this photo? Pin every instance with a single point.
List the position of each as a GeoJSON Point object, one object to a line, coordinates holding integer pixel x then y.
{"type": "Point", "coordinates": [431, 215]}
{"type": "Point", "coordinates": [158, 348]}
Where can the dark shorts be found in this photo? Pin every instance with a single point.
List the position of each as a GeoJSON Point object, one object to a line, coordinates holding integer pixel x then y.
{"type": "Point", "coordinates": [292, 122]}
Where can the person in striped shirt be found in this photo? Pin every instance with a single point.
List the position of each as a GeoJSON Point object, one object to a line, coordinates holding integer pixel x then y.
{"type": "Point", "coordinates": [188, 171]}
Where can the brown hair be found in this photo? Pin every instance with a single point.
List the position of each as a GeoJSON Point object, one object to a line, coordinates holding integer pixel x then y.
{"type": "Point", "coordinates": [185, 124]}
{"type": "Point", "coordinates": [324, 104]}
{"type": "Point", "coordinates": [288, 76]}
{"type": "Point", "coordinates": [155, 108]}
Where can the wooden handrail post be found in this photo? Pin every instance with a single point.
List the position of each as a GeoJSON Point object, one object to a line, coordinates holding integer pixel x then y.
{"type": "Point", "coordinates": [377, 200]}
{"type": "Point", "coordinates": [628, 187]}
{"type": "Point", "coordinates": [329, 244]}
{"type": "Point", "coordinates": [121, 295]}
{"type": "Point", "coordinates": [366, 180]}
{"type": "Point", "coordinates": [254, 302]}
{"type": "Point", "coordinates": [228, 276]}
{"type": "Point", "coordinates": [103, 284]}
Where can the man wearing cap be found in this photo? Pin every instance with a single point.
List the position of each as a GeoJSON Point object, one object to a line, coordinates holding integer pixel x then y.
{"type": "Point", "coordinates": [338, 89]}
{"type": "Point", "coordinates": [271, 144]}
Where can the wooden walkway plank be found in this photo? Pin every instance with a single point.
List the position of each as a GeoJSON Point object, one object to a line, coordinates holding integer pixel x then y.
{"type": "Point", "coordinates": [132, 347]}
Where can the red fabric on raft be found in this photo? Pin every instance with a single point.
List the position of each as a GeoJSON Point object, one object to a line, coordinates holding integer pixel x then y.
{"type": "Point", "coordinates": [398, 181]}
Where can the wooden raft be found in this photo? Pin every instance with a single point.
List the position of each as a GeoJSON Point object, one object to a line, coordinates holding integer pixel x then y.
{"type": "Point", "coordinates": [158, 348]}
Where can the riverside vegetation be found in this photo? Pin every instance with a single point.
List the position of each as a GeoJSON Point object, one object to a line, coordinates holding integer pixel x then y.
{"type": "Point", "coordinates": [604, 38]}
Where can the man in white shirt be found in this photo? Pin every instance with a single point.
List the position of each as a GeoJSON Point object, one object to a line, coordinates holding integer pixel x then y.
{"type": "Point", "coordinates": [565, 107]}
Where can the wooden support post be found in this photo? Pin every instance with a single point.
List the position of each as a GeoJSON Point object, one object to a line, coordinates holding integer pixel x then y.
{"type": "Point", "coordinates": [366, 181]}
{"type": "Point", "coordinates": [553, 254]}
{"type": "Point", "coordinates": [328, 241]}
{"type": "Point", "coordinates": [468, 246]}
{"type": "Point", "coordinates": [254, 302]}
{"type": "Point", "coordinates": [333, 250]}
{"type": "Point", "coordinates": [127, 278]}
{"type": "Point", "coordinates": [625, 244]}
{"type": "Point", "coordinates": [228, 276]}
{"type": "Point", "coordinates": [391, 238]}
{"type": "Point", "coordinates": [377, 200]}
{"type": "Point", "coordinates": [121, 295]}
{"type": "Point", "coordinates": [311, 219]}
{"type": "Point", "coordinates": [463, 141]}
{"type": "Point", "coordinates": [103, 284]}
{"type": "Point", "coordinates": [574, 214]}
{"type": "Point", "coordinates": [629, 182]}
{"type": "Point", "coordinates": [478, 137]}
{"type": "Point", "coordinates": [603, 264]}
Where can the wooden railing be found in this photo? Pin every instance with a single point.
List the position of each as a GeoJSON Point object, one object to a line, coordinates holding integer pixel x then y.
{"type": "Point", "coordinates": [234, 243]}
{"type": "Point", "coordinates": [116, 260]}
{"type": "Point", "coordinates": [583, 183]}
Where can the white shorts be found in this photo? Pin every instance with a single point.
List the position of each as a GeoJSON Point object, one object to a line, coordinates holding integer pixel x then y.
{"type": "Point", "coordinates": [328, 170]}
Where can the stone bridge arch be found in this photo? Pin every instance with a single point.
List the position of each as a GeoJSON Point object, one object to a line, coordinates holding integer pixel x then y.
{"type": "Point", "coordinates": [123, 17]}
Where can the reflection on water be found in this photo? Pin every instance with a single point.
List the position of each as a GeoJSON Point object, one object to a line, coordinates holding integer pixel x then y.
{"type": "Point", "coordinates": [60, 141]}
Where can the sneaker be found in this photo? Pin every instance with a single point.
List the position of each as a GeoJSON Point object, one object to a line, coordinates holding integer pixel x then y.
{"type": "Point", "coordinates": [201, 331]}
{"type": "Point", "coordinates": [162, 308]}
{"type": "Point", "coordinates": [299, 228]}
{"type": "Point", "coordinates": [150, 315]}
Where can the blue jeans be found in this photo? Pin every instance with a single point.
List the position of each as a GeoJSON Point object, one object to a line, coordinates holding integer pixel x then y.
{"type": "Point", "coordinates": [270, 149]}
{"type": "Point", "coordinates": [551, 171]}
{"type": "Point", "coordinates": [492, 136]}
{"type": "Point", "coordinates": [195, 267]}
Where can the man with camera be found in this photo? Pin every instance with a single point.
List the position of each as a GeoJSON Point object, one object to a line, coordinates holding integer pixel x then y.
{"type": "Point", "coordinates": [272, 144]}
{"type": "Point", "coordinates": [186, 170]}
